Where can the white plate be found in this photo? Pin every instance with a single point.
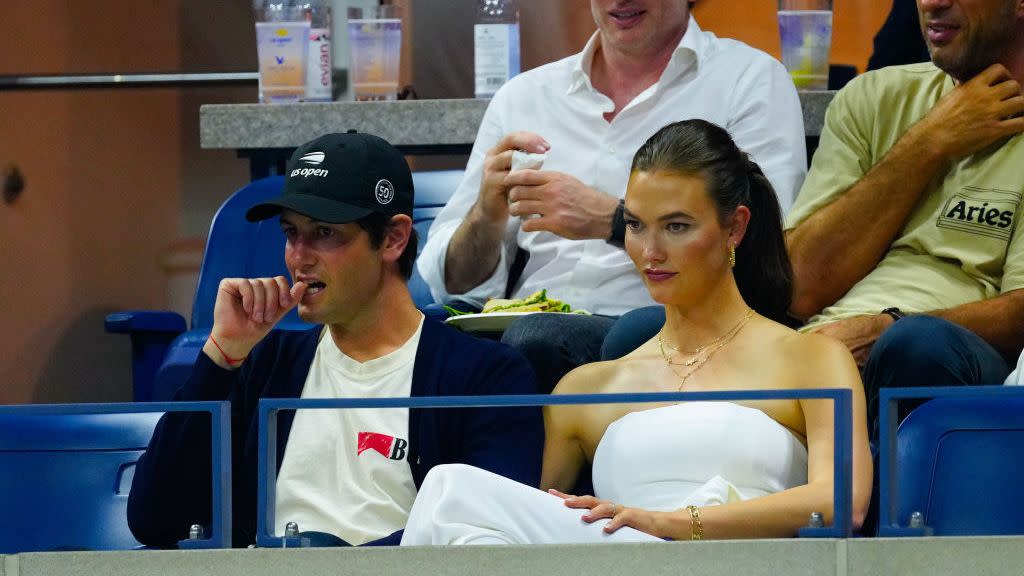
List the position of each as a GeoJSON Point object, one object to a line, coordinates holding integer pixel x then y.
{"type": "Point", "coordinates": [490, 322]}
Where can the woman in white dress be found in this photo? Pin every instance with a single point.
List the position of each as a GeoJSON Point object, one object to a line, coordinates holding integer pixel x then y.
{"type": "Point", "coordinates": [703, 228]}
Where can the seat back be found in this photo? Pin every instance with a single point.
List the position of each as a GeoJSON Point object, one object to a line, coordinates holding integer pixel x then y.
{"type": "Point", "coordinates": [64, 479]}
{"type": "Point", "coordinates": [242, 249]}
{"type": "Point", "coordinates": [433, 189]}
{"type": "Point", "coordinates": [960, 462]}
{"type": "Point", "coordinates": [237, 248]}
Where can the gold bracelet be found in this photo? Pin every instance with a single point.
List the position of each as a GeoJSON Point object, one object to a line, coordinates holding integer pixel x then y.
{"type": "Point", "coordinates": [696, 529]}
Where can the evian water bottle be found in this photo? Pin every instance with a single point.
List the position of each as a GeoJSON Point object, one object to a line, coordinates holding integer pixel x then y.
{"type": "Point", "coordinates": [318, 60]}
{"type": "Point", "coordinates": [496, 45]}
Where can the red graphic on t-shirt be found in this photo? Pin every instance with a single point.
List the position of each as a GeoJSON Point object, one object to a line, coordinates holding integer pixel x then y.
{"type": "Point", "coordinates": [375, 441]}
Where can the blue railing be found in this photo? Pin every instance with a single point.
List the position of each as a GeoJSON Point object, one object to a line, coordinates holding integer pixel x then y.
{"type": "Point", "coordinates": [842, 526]}
{"type": "Point", "coordinates": [219, 534]}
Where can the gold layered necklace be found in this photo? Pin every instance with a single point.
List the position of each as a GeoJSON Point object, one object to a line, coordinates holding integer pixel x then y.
{"type": "Point", "coordinates": [700, 355]}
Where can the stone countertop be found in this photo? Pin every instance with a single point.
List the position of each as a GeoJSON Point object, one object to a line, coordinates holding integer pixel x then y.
{"type": "Point", "coordinates": [407, 123]}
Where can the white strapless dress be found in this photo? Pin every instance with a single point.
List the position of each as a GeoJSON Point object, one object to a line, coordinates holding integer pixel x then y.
{"type": "Point", "coordinates": [699, 453]}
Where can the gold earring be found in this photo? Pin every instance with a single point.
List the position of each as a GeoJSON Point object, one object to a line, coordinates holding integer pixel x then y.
{"type": "Point", "coordinates": [732, 256]}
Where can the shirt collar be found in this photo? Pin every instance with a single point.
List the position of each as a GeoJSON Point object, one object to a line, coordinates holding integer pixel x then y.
{"type": "Point", "coordinates": [689, 52]}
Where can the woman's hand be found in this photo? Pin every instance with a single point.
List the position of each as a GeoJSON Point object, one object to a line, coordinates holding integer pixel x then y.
{"type": "Point", "coordinates": [618, 515]}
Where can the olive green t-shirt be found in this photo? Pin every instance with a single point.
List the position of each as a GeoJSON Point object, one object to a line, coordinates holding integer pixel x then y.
{"type": "Point", "coordinates": [962, 242]}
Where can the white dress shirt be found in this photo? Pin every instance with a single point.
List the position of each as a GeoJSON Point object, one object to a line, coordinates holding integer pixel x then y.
{"type": "Point", "coordinates": [723, 81]}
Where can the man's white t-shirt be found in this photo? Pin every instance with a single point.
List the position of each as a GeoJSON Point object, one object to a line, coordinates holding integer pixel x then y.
{"type": "Point", "coordinates": [345, 472]}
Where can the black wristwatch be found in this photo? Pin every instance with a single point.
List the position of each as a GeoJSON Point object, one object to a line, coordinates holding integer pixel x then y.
{"type": "Point", "coordinates": [618, 236]}
{"type": "Point", "coordinates": [896, 313]}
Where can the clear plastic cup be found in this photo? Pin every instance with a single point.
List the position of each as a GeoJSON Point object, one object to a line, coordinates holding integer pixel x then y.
{"type": "Point", "coordinates": [282, 38]}
{"type": "Point", "coordinates": [375, 47]}
{"type": "Point", "coordinates": [805, 28]}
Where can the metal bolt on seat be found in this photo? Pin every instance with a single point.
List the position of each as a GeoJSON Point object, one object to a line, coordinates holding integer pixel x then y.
{"type": "Point", "coordinates": [916, 519]}
{"type": "Point", "coordinates": [817, 520]}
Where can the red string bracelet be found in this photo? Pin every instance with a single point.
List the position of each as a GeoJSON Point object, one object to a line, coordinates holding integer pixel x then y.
{"type": "Point", "coordinates": [231, 361]}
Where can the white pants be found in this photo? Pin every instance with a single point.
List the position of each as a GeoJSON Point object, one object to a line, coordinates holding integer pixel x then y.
{"type": "Point", "coordinates": [460, 504]}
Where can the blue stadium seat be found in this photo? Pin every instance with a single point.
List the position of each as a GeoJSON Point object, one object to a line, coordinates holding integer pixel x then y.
{"type": "Point", "coordinates": [64, 479]}
{"type": "Point", "coordinates": [960, 462]}
{"type": "Point", "coordinates": [433, 189]}
{"type": "Point", "coordinates": [163, 351]}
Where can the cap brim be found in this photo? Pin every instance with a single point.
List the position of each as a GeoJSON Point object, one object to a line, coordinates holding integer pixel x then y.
{"type": "Point", "coordinates": [315, 207]}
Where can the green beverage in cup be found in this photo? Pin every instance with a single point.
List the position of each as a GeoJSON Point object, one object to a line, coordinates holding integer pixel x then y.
{"type": "Point", "coordinates": [805, 29]}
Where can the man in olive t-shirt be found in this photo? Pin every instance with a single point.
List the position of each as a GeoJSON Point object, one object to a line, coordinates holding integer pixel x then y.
{"type": "Point", "coordinates": [912, 207]}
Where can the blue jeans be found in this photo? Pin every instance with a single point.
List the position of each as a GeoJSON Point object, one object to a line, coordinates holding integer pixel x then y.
{"type": "Point", "coordinates": [631, 330]}
{"type": "Point", "coordinates": [922, 351]}
{"type": "Point", "coordinates": [556, 343]}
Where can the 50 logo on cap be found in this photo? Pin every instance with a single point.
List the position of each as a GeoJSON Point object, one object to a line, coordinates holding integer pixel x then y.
{"type": "Point", "coordinates": [385, 191]}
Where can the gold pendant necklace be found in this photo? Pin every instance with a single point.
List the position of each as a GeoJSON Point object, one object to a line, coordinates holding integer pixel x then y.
{"type": "Point", "coordinates": [702, 347]}
{"type": "Point", "coordinates": [702, 353]}
{"type": "Point", "coordinates": [698, 350]}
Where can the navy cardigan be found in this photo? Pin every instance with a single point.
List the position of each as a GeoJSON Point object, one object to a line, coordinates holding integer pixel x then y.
{"type": "Point", "coordinates": [171, 488]}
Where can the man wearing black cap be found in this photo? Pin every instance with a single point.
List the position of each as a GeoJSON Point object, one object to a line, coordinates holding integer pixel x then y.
{"type": "Point", "coordinates": [351, 474]}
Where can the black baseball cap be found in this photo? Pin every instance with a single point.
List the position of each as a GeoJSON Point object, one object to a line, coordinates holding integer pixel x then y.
{"type": "Point", "coordinates": [339, 178]}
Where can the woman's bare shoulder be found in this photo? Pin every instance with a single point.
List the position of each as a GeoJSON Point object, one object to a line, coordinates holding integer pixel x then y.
{"type": "Point", "coordinates": [594, 378]}
{"type": "Point", "coordinates": [819, 361]}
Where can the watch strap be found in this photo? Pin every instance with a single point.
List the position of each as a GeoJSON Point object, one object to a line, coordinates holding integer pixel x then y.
{"type": "Point", "coordinates": [618, 236]}
{"type": "Point", "coordinates": [896, 313]}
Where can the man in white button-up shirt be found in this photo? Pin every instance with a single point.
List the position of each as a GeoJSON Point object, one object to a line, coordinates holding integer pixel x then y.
{"type": "Point", "coordinates": [648, 64]}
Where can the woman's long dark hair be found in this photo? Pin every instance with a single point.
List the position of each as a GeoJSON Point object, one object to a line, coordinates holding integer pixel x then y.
{"type": "Point", "coordinates": [763, 272]}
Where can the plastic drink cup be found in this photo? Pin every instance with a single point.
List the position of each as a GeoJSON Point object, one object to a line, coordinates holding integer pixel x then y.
{"type": "Point", "coordinates": [282, 37]}
{"type": "Point", "coordinates": [375, 47]}
{"type": "Point", "coordinates": [805, 28]}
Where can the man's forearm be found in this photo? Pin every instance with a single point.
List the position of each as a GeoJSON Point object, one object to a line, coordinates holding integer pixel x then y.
{"type": "Point", "coordinates": [998, 321]}
{"type": "Point", "coordinates": [841, 243]}
{"type": "Point", "coordinates": [473, 252]}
